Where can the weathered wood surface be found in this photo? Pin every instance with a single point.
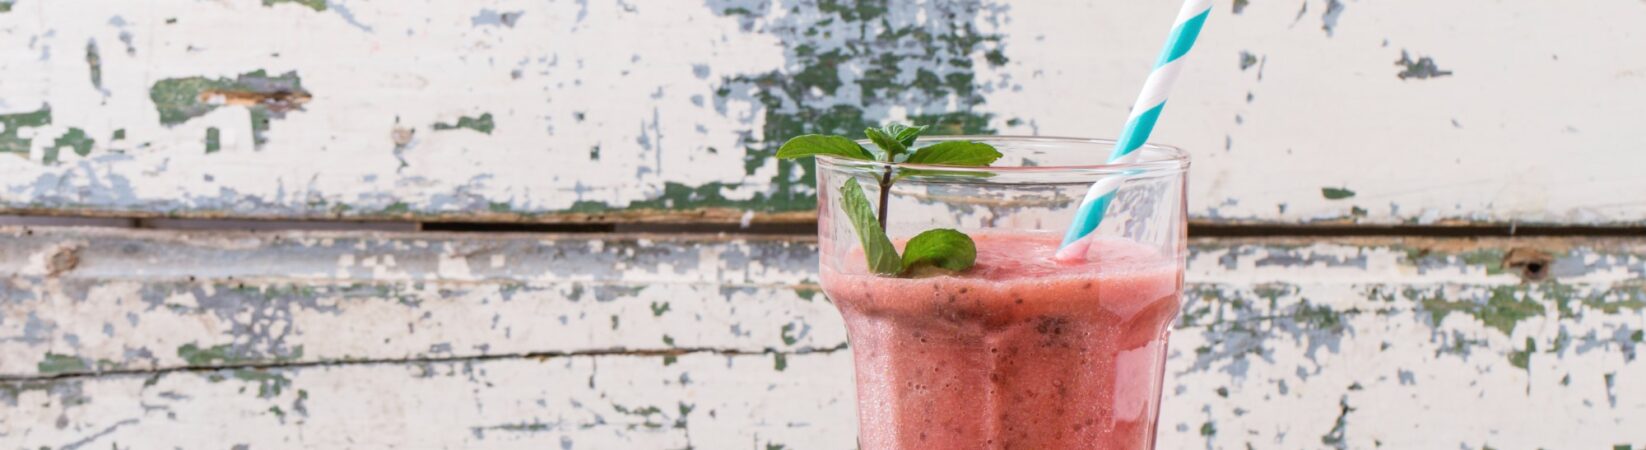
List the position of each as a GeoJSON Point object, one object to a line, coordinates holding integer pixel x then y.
{"type": "Point", "coordinates": [1399, 111]}
{"type": "Point", "coordinates": [131, 339]}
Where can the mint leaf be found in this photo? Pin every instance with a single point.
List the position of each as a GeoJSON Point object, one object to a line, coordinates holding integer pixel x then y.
{"type": "Point", "coordinates": [886, 142]}
{"type": "Point", "coordinates": [942, 248]}
{"type": "Point", "coordinates": [816, 144]}
{"type": "Point", "coordinates": [905, 134]}
{"type": "Point", "coordinates": [956, 153]}
{"type": "Point", "coordinates": [882, 255]}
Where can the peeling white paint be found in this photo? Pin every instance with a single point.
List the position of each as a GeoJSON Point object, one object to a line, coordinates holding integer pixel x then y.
{"type": "Point", "coordinates": [1438, 149]}
{"type": "Point", "coordinates": [1413, 334]}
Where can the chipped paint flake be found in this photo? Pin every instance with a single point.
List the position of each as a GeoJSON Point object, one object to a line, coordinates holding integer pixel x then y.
{"type": "Point", "coordinates": [483, 124]}
{"type": "Point", "coordinates": [1420, 69]}
{"type": "Point", "coordinates": [17, 129]}
{"type": "Point", "coordinates": [317, 5]}
{"type": "Point", "coordinates": [181, 99]}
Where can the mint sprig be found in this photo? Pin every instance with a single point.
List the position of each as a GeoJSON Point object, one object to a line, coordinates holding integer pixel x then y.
{"type": "Point", "coordinates": [877, 247]}
{"type": "Point", "coordinates": [887, 143]}
{"type": "Point", "coordinates": [939, 249]}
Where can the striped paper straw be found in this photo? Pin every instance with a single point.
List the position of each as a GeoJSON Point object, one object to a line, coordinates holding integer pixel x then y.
{"type": "Point", "coordinates": [1141, 123]}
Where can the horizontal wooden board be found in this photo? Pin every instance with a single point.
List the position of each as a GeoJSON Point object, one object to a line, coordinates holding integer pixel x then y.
{"type": "Point", "coordinates": [1284, 343]}
{"type": "Point", "coordinates": [1389, 112]}
{"type": "Point", "coordinates": [619, 402]}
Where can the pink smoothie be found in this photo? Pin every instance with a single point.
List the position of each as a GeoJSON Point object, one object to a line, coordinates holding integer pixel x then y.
{"type": "Point", "coordinates": [1019, 352]}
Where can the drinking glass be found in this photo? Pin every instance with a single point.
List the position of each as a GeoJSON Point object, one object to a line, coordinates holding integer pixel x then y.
{"type": "Point", "coordinates": [1022, 350]}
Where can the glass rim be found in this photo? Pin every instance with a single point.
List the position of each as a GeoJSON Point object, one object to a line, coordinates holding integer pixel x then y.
{"type": "Point", "coordinates": [1165, 158]}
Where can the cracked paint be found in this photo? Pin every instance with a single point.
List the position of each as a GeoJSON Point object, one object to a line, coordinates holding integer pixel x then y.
{"type": "Point", "coordinates": [1273, 329]}
{"type": "Point", "coordinates": [690, 113]}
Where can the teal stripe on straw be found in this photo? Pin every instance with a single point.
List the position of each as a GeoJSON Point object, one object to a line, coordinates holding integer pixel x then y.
{"type": "Point", "coordinates": [1182, 39]}
{"type": "Point", "coordinates": [1137, 130]}
{"type": "Point", "coordinates": [1090, 215]}
{"type": "Point", "coordinates": [1087, 219]}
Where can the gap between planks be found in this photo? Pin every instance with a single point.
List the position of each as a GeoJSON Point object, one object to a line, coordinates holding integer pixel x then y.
{"type": "Point", "coordinates": [1197, 228]}
{"type": "Point", "coordinates": [291, 365]}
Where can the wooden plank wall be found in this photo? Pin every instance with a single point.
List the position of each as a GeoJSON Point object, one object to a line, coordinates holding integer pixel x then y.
{"type": "Point", "coordinates": [1449, 120]}
{"type": "Point", "coordinates": [1408, 111]}
{"type": "Point", "coordinates": [616, 341]}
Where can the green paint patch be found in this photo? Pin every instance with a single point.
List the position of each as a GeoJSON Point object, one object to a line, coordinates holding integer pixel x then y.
{"type": "Point", "coordinates": [119, 134]}
{"type": "Point", "coordinates": [483, 124]}
{"type": "Point", "coordinates": [95, 62]}
{"type": "Point", "coordinates": [1208, 429]}
{"type": "Point", "coordinates": [685, 413]}
{"type": "Point", "coordinates": [1319, 317]}
{"type": "Point", "coordinates": [397, 208]}
{"type": "Point", "coordinates": [226, 354]}
{"type": "Point", "coordinates": [75, 139]}
{"type": "Point", "coordinates": [667, 340]}
{"type": "Point", "coordinates": [659, 308]}
{"type": "Point", "coordinates": [680, 196]}
{"type": "Point", "coordinates": [266, 97]}
{"type": "Point", "coordinates": [807, 293]}
{"type": "Point", "coordinates": [196, 356]}
{"type": "Point", "coordinates": [996, 57]}
{"type": "Point", "coordinates": [838, 48]}
{"type": "Point", "coordinates": [12, 125]}
{"type": "Point", "coordinates": [649, 413]}
{"type": "Point", "coordinates": [1336, 436]}
{"type": "Point", "coordinates": [1507, 306]}
{"type": "Point", "coordinates": [10, 391]}
{"type": "Point", "coordinates": [1491, 259]}
{"type": "Point", "coordinates": [317, 5]}
{"type": "Point", "coordinates": [214, 140]}
{"type": "Point", "coordinates": [56, 364]}
{"type": "Point", "coordinates": [5, 5]}
{"type": "Point", "coordinates": [1614, 307]}
{"type": "Point", "coordinates": [1332, 193]}
{"type": "Point", "coordinates": [1637, 336]}
{"type": "Point", "coordinates": [788, 334]}
{"type": "Point", "coordinates": [954, 123]}
{"type": "Point", "coordinates": [1522, 358]}
{"type": "Point", "coordinates": [269, 384]}
{"type": "Point", "coordinates": [780, 361]}
{"type": "Point", "coordinates": [853, 10]}
{"type": "Point", "coordinates": [522, 427]}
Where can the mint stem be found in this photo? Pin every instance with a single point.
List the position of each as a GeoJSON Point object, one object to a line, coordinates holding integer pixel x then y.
{"type": "Point", "coordinates": [885, 195]}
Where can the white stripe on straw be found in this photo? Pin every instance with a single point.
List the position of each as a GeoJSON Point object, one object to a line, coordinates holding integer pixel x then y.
{"type": "Point", "coordinates": [1139, 125]}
